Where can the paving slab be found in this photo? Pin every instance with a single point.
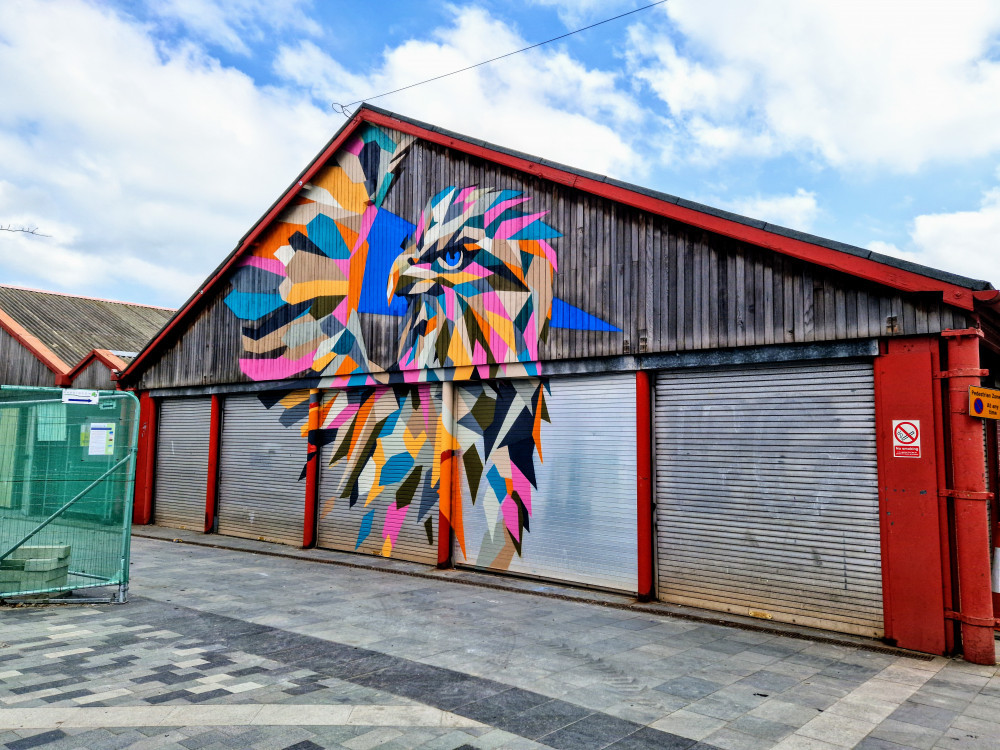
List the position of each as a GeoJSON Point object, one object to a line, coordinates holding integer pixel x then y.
{"type": "Point", "coordinates": [216, 650]}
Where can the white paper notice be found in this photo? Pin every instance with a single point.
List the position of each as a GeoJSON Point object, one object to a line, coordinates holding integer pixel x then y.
{"type": "Point", "coordinates": [102, 439]}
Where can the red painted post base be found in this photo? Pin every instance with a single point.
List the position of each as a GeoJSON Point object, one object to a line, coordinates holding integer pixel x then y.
{"type": "Point", "coordinates": [644, 491]}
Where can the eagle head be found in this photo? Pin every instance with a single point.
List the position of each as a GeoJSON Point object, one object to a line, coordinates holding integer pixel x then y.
{"type": "Point", "coordinates": [476, 275]}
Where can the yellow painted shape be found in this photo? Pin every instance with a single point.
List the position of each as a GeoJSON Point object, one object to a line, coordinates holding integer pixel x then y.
{"type": "Point", "coordinates": [307, 290]}
{"type": "Point", "coordinates": [536, 431]}
{"type": "Point", "coordinates": [387, 547]}
{"type": "Point", "coordinates": [413, 442]}
{"type": "Point", "coordinates": [322, 362]}
{"type": "Point", "coordinates": [294, 398]}
{"type": "Point", "coordinates": [504, 328]}
{"type": "Point", "coordinates": [351, 195]}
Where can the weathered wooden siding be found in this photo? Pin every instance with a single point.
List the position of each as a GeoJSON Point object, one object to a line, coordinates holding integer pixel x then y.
{"type": "Point", "coordinates": [18, 366]}
{"type": "Point", "coordinates": [96, 375]}
{"type": "Point", "coordinates": [667, 286]}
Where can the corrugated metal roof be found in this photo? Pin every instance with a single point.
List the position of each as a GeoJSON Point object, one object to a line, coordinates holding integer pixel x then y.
{"type": "Point", "coordinates": [71, 326]}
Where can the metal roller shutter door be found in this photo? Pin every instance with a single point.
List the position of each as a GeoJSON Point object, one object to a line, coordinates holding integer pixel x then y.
{"type": "Point", "coordinates": [340, 524]}
{"type": "Point", "coordinates": [182, 437]}
{"type": "Point", "coordinates": [583, 519]}
{"type": "Point", "coordinates": [260, 462]}
{"type": "Point", "coordinates": [767, 493]}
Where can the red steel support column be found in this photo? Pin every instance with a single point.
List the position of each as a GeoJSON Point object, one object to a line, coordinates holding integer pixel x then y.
{"type": "Point", "coordinates": [910, 531]}
{"type": "Point", "coordinates": [968, 461]}
{"type": "Point", "coordinates": [142, 507]}
{"type": "Point", "coordinates": [312, 470]}
{"type": "Point", "coordinates": [644, 489]}
{"type": "Point", "coordinates": [446, 483]}
{"type": "Point", "coordinates": [212, 485]}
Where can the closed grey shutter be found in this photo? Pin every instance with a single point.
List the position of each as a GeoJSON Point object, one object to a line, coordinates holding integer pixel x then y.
{"type": "Point", "coordinates": [260, 462]}
{"type": "Point", "coordinates": [360, 527]}
{"type": "Point", "coordinates": [583, 519]}
{"type": "Point", "coordinates": [182, 436]}
{"type": "Point", "coordinates": [767, 493]}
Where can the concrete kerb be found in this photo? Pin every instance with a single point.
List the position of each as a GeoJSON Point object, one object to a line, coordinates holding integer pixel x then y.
{"type": "Point", "coordinates": [506, 582]}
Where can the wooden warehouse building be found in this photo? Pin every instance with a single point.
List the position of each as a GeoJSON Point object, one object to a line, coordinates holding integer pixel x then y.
{"type": "Point", "coordinates": [54, 339]}
{"type": "Point", "coordinates": [440, 350]}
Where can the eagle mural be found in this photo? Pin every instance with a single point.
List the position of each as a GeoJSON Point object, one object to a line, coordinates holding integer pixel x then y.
{"type": "Point", "coordinates": [472, 284]}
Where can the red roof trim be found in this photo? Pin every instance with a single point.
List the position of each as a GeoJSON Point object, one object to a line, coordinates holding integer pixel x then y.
{"type": "Point", "coordinates": [103, 356]}
{"type": "Point", "coordinates": [870, 270]}
{"type": "Point", "coordinates": [248, 241]}
{"type": "Point", "coordinates": [42, 353]}
{"type": "Point", "coordinates": [864, 268]}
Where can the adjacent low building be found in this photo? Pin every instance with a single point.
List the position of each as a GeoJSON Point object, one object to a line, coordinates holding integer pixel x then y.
{"type": "Point", "coordinates": [444, 351]}
{"type": "Point", "coordinates": [53, 339]}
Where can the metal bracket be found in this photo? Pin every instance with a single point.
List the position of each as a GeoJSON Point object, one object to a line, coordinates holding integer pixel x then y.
{"type": "Point", "coordinates": [968, 372]}
{"type": "Point", "coordinates": [986, 622]}
{"type": "Point", "coordinates": [963, 495]}
{"type": "Point", "coordinates": [964, 332]}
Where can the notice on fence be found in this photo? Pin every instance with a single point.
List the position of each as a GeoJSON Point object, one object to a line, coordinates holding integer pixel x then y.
{"type": "Point", "coordinates": [76, 396]}
{"type": "Point", "coordinates": [102, 439]}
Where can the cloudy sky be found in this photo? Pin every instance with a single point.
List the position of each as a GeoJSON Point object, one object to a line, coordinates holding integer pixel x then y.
{"type": "Point", "coordinates": [144, 138]}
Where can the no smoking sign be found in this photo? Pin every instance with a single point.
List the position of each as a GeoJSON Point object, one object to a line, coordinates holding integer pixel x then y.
{"type": "Point", "coordinates": [906, 438]}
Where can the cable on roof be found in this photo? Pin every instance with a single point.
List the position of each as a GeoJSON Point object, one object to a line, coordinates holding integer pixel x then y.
{"type": "Point", "coordinates": [342, 108]}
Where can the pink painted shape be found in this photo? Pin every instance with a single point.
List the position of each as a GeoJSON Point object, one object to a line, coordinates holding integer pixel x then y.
{"type": "Point", "coordinates": [450, 303]}
{"type": "Point", "coordinates": [531, 338]}
{"type": "Point", "coordinates": [464, 194]}
{"type": "Point", "coordinates": [474, 269]}
{"type": "Point", "coordinates": [275, 369]}
{"type": "Point", "coordinates": [344, 264]}
{"type": "Point", "coordinates": [411, 376]}
{"type": "Point", "coordinates": [513, 226]}
{"type": "Point", "coordinates": [354, 145]}
{"type": "Point", "coordinates": [549, 253]}
{"type": "Point", "coordinates": [510, 516]}
{"type": "Point", "coordinates": [393, 520]}
{"type": "Point", "coordinates": [521, 486]}
{"type": "Point", "coordinates": [344, 416]}
{"type": "Point", "coordinates": [499, 208]}
{"type": "Point", "coordinates": [366, 226]}
{"type": "Point", "coordinates": [341, 311]}
{"type": "Point", "coordinates": [491, 303]}
{"type": "Point", "coordinates": [420, 228]}
{"type": "Point", "coordinates": [268, 264]}
{"type": "Point", "coordinates": [484, 372]}
{"type": "Point", "coordinates": [479, 355]}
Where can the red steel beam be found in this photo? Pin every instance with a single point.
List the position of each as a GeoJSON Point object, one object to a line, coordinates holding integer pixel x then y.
{"type": "Point", "coordinates": [968, 461]}
{"type": "Point", "coordinates": [312, 469]}
{"type": "Point", "coordinates": [644, 489]}
{"type": "Point", "coordinates": [212, 484]}
{"type": "Point", "coordinates": [142, 507]}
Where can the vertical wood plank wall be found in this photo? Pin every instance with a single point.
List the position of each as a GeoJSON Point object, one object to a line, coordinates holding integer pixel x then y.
{"type": "Point", "coordinates": [667, 286]}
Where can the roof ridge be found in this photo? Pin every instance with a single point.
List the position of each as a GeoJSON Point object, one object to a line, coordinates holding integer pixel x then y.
{"type": "Point", "coordinates": [84, 296]}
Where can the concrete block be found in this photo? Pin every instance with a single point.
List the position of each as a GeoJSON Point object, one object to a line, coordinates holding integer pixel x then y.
{"type": "Point", "coordinates": [31, 552]}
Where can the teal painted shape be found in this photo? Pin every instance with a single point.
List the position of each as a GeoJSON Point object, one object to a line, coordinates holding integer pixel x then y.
{"type": "Point", "coordinates": [395, 469]}
{"type": "Point", "coordinates": [366, 527]}
{"type": "Point", "coordinates": [538, 230]}
{"type": "Point", "coordinates": [250, 306]}
{"type": "Point", "coordinates": [371, 133]}
{"type": "Point", "coordinates": [325, 234]}
{"type": "Point", "coordinates": [497, 483]}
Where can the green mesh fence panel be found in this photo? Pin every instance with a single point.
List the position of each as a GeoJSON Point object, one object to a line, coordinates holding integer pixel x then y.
{"type": "Point", "coordinates": [67, 470]}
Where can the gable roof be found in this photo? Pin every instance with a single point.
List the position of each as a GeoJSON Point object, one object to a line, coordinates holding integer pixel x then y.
{"type": "Point", "coordinates": [956, 290]}
{"type": "Point", "coordinates": [65, 328]}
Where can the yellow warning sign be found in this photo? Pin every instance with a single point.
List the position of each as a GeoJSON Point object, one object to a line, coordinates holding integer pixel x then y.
{"type": "Point", "coordinates": [984, 402]}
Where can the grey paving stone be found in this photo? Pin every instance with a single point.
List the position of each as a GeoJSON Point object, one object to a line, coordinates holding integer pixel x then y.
{"type": "Point", "coordinates": [908, 735]}
{"type": "Point", "coordinates": [924, 716]}
{"type": "Point", "coordinates": [691, 688]}
{"type": "Point", "coordinates": [762, 728]}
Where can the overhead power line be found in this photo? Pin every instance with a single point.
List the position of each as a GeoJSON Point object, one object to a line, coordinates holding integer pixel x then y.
{"type": "Point", "coordinates": [342, 108]}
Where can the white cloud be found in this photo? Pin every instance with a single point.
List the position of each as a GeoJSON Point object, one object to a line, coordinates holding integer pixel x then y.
{"type": "Point", "coordinates": [576, 13]}
{"type": "Point", "coordinates": [542, 102]}
{"type": "Point", "coordinates": [796, 211]}
{"type": "Point", "coordinates": [963, 242]}
{"type": "Point", "coordinates": [855, 82]}
{"type": "Point", "coordinates": [229, 23]}
{"type": "Point", "coordinates": [145, 164]}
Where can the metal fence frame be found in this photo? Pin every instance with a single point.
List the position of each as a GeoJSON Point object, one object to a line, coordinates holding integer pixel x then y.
{"type": "Point", "coordinates": [125, 465]}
